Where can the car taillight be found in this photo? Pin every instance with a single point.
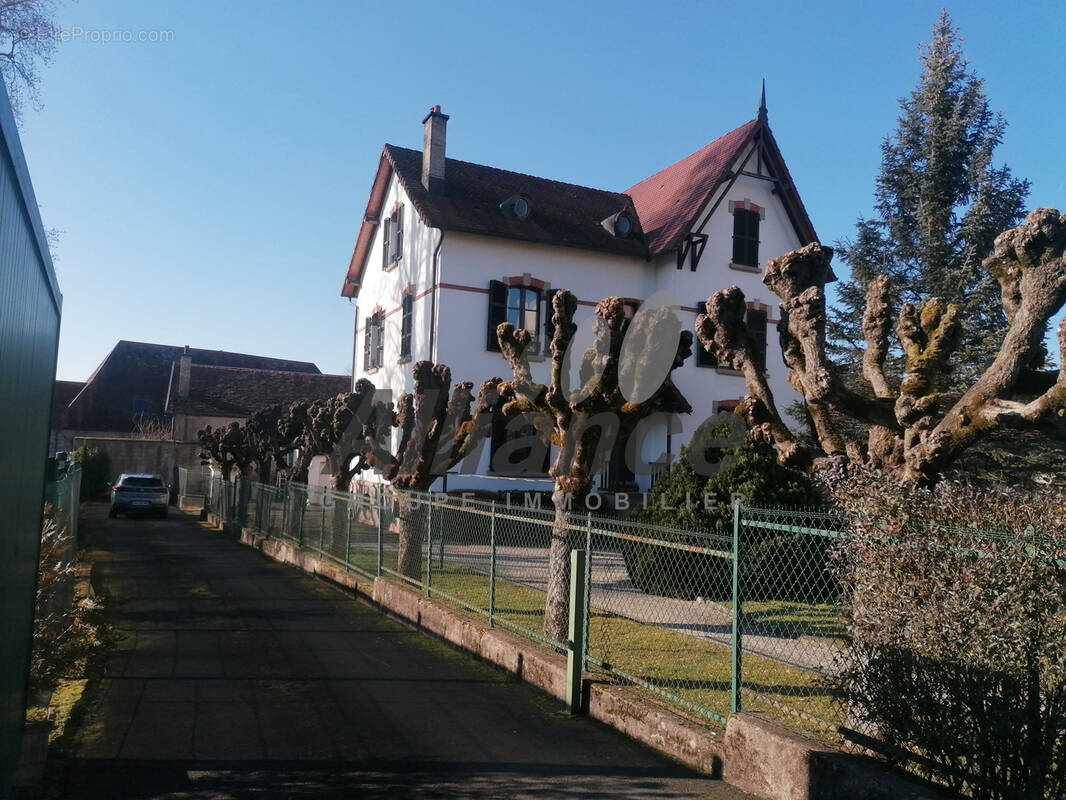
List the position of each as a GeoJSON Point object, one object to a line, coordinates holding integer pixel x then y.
{"type": "Point", "coordinates": [162, 490]}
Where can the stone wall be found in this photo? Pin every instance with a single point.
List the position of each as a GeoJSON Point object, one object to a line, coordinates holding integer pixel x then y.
{"type": "Point", "coordinates": [144, 455]}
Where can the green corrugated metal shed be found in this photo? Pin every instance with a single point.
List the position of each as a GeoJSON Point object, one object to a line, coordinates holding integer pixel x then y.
{"type": "Point", "coordinates": [30, 306]}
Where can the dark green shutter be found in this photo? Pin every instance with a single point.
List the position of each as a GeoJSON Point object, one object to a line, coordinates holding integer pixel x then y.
{"type": "Point", "coordinates": [366, 344]}
{"type": "Point", "coordinates": [497, 313]}
{"type": "Point", "coordinates": [385, 235]}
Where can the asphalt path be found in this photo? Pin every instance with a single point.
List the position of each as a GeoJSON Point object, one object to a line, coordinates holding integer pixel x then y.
{"type": "Point", "coordinates": [234, 676]}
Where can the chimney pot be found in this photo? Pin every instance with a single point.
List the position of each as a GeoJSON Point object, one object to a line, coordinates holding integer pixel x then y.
{"type": "Point", "coordinates": [435, 126]}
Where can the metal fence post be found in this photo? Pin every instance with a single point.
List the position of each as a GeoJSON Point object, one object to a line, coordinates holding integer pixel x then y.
{"type": "Point", "coordinates": [429, 546]}
{"type": "Point", "coordinates": [738, 633]}
{"type": "Point", "coordinates": [588, 589]}
{"type": "Point", "coordinates": [381, 513]}
{"type": "Point", "coordinates": [348, 531]}
{"type": "Point", "coordinates": [576, 645]}
{"type": "Point", "coordinates": [492, 565]}
{"type": "Point", "coordinates": [322, 528]}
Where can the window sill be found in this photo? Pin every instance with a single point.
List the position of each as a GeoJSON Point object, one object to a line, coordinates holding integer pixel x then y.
{"type": "Point", "coordinates": [371, 371]}
{"type": "Point", "coordinates": [536, 358]}
{"type": "Point", "coordinates": [403, 360]}
{"type": "Point", "coordinates": [390, 266]}
{"type": "Point", "coordinates": [729, 371]}
{"type": "Point", "coordinates": [745, 268]}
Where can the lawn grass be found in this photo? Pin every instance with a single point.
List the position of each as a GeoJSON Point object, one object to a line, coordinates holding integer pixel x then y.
{"type": "Point", "coordinates": [695, 671]}
{"type": "Point", "coordinates": [790, 619]}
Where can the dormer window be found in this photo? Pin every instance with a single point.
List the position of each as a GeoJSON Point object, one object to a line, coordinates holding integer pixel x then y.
{"type": "Point", "coordinates": [392, 238]}
{"type": "Point", "coordinates": [518, 207]}
{"type": "Point", "coordinates": [619, 224]}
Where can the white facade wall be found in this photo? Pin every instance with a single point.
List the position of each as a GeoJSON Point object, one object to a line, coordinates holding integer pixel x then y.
{"type": "Point", "coordinates": [468, 262]}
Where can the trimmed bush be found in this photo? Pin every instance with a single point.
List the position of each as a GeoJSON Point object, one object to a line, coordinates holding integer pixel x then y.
{"type": "Point", "coordinates": [958, 632]}
{"type": "Point", "coordinates": [784, 568]}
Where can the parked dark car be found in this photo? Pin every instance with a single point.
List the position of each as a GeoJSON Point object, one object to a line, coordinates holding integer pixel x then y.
{"type": "Point", "coordinates": [139, 493]}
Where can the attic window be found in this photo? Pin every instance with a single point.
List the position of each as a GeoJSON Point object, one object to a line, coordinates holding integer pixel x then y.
{"type": "Point", "coordinates": [619, 224]}
{"type": "Point", "coordinates": [746, 218]}
{"type": "Point", "coordinates": [516, 206]}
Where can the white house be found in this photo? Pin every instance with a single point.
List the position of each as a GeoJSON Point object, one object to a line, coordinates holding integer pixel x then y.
{"type": "Point", "coordinates": [449, 249]}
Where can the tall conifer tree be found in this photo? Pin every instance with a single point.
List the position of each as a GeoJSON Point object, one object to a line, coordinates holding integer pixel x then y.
{"type": "Point", "coordinates": [940, 201]}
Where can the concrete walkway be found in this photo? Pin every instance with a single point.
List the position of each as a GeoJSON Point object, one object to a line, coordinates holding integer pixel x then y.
{"type": "Point", "coordinates": [236, 676]}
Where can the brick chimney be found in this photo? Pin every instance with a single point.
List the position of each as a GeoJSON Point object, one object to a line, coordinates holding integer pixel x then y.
{"type": "Point", "coordinates": [435, 127]}
{"type": "Point", "coordinates": [184, 372]}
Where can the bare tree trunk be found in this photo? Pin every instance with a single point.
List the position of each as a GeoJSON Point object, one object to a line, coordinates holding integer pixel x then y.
{"type": "Point", "coordinates": [557, 604]}
{"type": "Point", "coordinates": [412, 535]}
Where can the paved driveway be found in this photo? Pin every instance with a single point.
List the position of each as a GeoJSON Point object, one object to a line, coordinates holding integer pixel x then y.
{"type": "Point", "coordinates": [236, 677]}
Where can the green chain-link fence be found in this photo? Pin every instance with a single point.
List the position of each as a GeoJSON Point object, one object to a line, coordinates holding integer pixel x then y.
{"type": "Point", "coordinates": [755, 618]}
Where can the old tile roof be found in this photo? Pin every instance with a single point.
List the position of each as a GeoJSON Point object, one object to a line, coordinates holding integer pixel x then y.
{"type": "Point", "coordinates": [239, 392]}
{"type": "Point", "coordinates": [138, 374]}
{"type": "Point", "coordinates": [664, 206]}
{"type": "Point", "coordinates": [562, 213]}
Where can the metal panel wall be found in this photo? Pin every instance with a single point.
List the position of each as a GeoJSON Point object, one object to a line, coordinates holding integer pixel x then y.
{"type": "Point", "coordinates": [30, 306]}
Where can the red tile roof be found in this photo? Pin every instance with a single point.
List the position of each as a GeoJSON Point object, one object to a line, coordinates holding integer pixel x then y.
{"type": "Point", "coordinates": [669, 200]}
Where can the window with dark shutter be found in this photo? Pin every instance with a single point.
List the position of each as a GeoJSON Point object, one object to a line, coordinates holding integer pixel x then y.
{"type": "Point", "coordinates": [497, 313]}
{"type": "Point", "coordinates": [703, 358]}
{"type": "Point", "coordinates": [366, 342]}
{"type": "Point", "coordinates": [746, 237]}
{"type": "Point", "coordinates": [406, 314]}
{"type": "Point", "coordinates": [374, 341]}
{"type": "Point", "coordinates": [392, 239]}
{"type": "Point", "coordinates": [379, 340]}
{"type": "Point", "coordinates": [386, 243]}
{"type": "Point", "coordinates": [757, 330]}
{"type": "Point", "coordinates": [396, 250]}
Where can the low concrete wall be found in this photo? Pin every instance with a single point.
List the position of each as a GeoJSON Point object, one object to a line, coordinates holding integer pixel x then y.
{"type": "Point", "coordinates": [755, 753]}
{"type": "Point", "coordinates": [144, 455]}
{"type": "Point", "coordinates": [770, 760]}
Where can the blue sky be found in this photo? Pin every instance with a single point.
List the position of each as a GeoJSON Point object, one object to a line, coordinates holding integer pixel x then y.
{"type": "Point", "coordinates": [209, 188]}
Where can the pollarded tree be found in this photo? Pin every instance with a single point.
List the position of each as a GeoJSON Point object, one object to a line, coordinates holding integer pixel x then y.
{"type": "Point", "coordinates": [940, 202]}
{"type": "Point", "coordinates": [615, 392]}
{"type": "Point", "coordinates": [437, 431]}
{"type": "Point", "coordinates": [227, 448]}
{"type": "Point", "coordinates": [359, 426]}
{"type": "Point", "coordinates": [908, 433]}
{"type": "Point", "coordinates": [262, 432]}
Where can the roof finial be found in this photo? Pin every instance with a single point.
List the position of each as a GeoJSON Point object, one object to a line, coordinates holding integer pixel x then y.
{"type": "Point", "coordinates": [762, 103]}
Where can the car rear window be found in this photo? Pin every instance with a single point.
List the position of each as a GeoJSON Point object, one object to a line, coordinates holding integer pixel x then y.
{"type": "Point", "coordinates": [141, 483]}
